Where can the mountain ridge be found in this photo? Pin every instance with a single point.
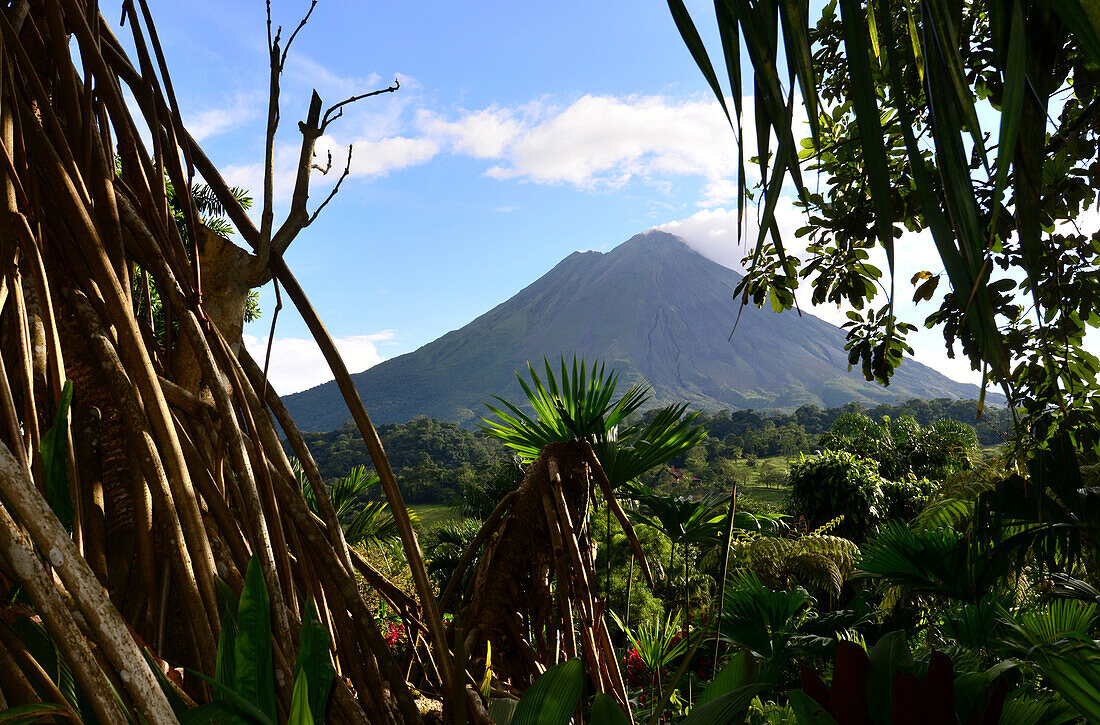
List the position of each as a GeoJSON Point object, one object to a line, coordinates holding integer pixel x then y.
{"type": "Point", "coordinates": [654, 309]}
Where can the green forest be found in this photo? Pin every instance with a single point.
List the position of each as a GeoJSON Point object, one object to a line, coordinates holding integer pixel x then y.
{"type": "Point", "coordinates": [436, 461]}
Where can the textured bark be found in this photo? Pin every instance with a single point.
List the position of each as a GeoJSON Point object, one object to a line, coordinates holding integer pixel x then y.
{"type": "Point", "coordinates": [534, 581]}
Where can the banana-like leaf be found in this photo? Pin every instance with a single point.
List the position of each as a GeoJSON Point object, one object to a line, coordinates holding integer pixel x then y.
{"type": "Point", "coordinates": [605, 711]}
{"type": "Point", "coordinates": [553, 697]}
{"type": "Point", "coordinates": [737, 673]}
{"type": "Point", "coordinates": [300, 707]}
{"type": "Point", "coordinates": [729, 708]}
{"type": "Point", "coordinates": [809, 711]}
{"type": "Point", "coordinates": [314, 663]}
{"type": "Point", "coordinates": [501, 709]}
{"type": "Point", "coordinates": [254, 675]}
{"type": "Point", "coordinates": [54, 448]}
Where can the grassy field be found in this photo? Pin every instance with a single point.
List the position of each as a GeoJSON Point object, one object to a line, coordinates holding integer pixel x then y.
{"type": "Point", "coordinates": [432, 514]}
{"type": "Point", "coordinates": [753, 486]}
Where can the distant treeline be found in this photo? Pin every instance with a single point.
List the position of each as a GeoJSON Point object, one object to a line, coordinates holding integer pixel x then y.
{"type": "Point", "coordinates": [775, 434]}
{"type": "Point", "coordinates": [430, 458]}
{"type": "Point", "coordinates": [434, 460]}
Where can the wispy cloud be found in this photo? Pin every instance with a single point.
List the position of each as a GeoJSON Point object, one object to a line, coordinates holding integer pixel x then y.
{"type": "Point", "coordinates": [235, 112]}
{"type": "Point", "coordinates": [297, 364]}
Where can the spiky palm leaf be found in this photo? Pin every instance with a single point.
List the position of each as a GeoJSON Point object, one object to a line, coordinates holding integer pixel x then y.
{"type": "Point", "coordinates": [581, 406]}
{"type": "Point", "coordinates": [364, 521]}
{"type": "Point", "coordinates": [759, 618]}
{"type": "Point", "coordinates": [680, 518]}
{"type": "Point", "coordinates": [937, 561]}
{"type": "Point", "coordinates": [629, 453]}
{"type": "Point", "coordinates": [656, 640]}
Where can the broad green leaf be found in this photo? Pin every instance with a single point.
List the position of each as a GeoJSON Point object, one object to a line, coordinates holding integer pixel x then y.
{"type": "Point", "coordinates": [865, 105]}
{"type": "Point", "coordinates": [167, 687]}
{"type": "Point", "coordinates": [605, 711]}
{"type": "Point", "coordinates": [225, 661]}
{"type": "Point", "coordinates": [808, 710]}
{"type": "Point", "coordinates": [54, 448]}
{"type": "Point", "coordinates": [945, 45]}
{"type": "Point", "coordinates": [314, 663]}
{"type": "Point", "coordinates": [889, 656]}
{"type": "Point", "coordinates": [501, 709]}
{"type": "Point", "coordinates": [796, 38]}
{"type": "Point", "coordinates": [1012, 103]}
{"type": "Point", "coordinates": [235, 702]}
{"type": "Point", "coordinates": [218, 712]}
{"type": "Point", "coordinates": [726, 709]}
{"type": "Point", "coordinates": [730, 34]}
{"type": "Point", "coordinates": [255, 678]}
{"type": "Point", "coordinates": [300, 707]}
{"type": "Point", "coordinates": [553, 697]}
{"type": "Point", "coordinates": [737, 673]}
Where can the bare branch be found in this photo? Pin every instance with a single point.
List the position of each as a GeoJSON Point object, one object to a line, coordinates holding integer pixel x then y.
{"type": "Point", "coordinates": [343, 175]}
{"type": "Point", "coordinates": [286, 48]}
{"type": "Point", "coordinates": [338, 109]}
{"type": "Point", "coordinates": [326, 168]}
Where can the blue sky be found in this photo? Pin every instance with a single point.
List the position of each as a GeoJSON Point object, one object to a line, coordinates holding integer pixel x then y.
{"type": "Point", "coordinates": [522, 132]}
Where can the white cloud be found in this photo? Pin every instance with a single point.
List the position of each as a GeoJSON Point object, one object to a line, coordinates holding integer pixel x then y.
{"type": "Point", "coordinates": [297, 364]}
{"type": "Point", "coordinates": [482, 134]}
{"type": "Point", "coordinates": [235, 112]}
{"type": "Point", "coordinates": [713, 232]}
{"type": "Point", "coordinates": [375, 158]}
{"type": "Point", "coordinates": [601, 141]}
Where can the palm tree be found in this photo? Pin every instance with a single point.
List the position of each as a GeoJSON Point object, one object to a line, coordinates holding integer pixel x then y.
{"type": "Point", "coordinates": [582, 407]}
{"type": "Point", "coordinates": [577, 431]}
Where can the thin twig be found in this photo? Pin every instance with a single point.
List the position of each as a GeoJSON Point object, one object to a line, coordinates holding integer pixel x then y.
{"type": "Point", "coordinates": [339, 107]}
{"type": "Point", "coordinates": [286, 48]}
{"type": "Point", "coordinates": [335, 189]}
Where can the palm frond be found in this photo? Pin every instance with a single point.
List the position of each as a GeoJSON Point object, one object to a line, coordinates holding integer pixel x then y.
{"type": "Point", "coordinates": [579, 406]}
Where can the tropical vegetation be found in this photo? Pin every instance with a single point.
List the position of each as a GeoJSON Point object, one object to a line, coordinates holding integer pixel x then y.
{"type": "Point", "coordinates": [163, 558]}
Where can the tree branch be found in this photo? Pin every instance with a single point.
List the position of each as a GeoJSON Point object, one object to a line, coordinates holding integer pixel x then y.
{"type": "Point", "coordinates": [335, 189]}
{"type": "Point", "coordinates": [286, 48]}
{"type": "Point", "coordinates": [339, 107]}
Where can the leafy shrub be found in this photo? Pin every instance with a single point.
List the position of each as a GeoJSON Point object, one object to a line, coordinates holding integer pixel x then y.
{"type": "Point", "coordinates": [946, 447]}
{"type": "Point", "coordinates": [902, 449]}
{"type": "Point", "coordinates": [905, 499]}
{"type": "Point", "coordinates": [837, 483]}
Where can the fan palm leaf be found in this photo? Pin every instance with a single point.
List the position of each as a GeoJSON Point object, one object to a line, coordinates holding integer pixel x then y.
{"type": "Point", "coordinates": [579, 403]}
{"type": "Point", "coordinates": [1056, 638]}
